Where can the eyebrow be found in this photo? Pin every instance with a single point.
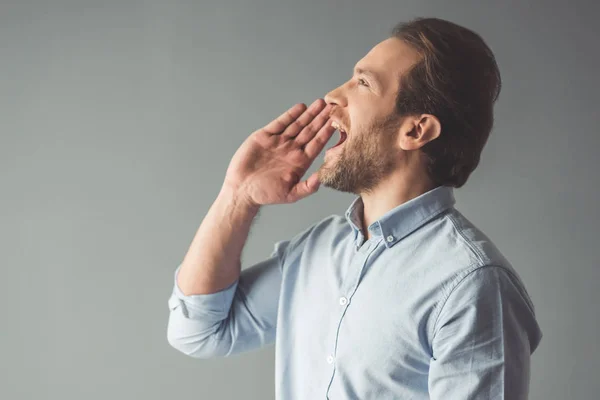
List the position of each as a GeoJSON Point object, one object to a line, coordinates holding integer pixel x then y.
{"type": "Point", "coordinates": [371, 74]}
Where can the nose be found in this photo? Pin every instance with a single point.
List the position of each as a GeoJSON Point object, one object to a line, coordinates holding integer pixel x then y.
{"type": "Point", "coordinates": [336, 97]}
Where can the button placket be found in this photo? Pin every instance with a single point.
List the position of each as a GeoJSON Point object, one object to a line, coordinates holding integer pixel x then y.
{"type": "Point", "coordinates": [360, 261]}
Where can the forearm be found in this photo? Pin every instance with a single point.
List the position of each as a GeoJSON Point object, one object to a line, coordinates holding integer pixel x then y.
{"type": "Point", "coordinates": [213, 259]}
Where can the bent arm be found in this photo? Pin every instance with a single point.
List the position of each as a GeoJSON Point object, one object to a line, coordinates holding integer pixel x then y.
{"type": "Point", "coordinates": [239, 318]}
{"type": "Point", "coordinates": [215, 309]}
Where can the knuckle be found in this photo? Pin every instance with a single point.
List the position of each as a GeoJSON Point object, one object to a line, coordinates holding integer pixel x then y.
{"type": "Point", "coordinates": [289, 177]}
{"type": "Point", "coordinates": [312, 114]}
{"type": "Point", "coordinates": [287, 117]}
{"type": "Point", "coordinates": [312, 127]}
{"type": "Point", "coordinates": [320, 142]}
{"type": "Point", "coordinates": [297, 124]}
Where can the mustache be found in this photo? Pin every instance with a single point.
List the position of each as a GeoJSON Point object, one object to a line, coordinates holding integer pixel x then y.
{"type": "Point", "coordinates": [335, 114]}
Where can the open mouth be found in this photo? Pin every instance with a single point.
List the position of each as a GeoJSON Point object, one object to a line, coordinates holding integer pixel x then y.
{"type": "Point", "coordinates": [343, 134]}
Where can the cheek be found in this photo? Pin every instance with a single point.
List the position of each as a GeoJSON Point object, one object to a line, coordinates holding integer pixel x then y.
{"type": "Point", "coordinates": [358, 124]}
{"type": "Point", "coordinates": [359, 115]}
{"type": "Point", "coordinates": [363, 118]}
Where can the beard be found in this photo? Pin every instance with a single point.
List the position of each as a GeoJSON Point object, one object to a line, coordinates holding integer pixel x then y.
{"type": "Point", "coordinates": [367, 157]}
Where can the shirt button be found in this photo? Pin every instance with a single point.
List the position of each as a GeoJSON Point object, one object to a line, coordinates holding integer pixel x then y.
{"type": "Point", "coordinates": [390, 238]}
{"type": "Point", "coordinates": [343, 301]}
{"type": "Point", "coordinates": [330, 359]}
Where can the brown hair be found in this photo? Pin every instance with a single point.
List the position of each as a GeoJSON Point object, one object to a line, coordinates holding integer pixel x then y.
{"type": "Point", "coordinates": [457, 80]}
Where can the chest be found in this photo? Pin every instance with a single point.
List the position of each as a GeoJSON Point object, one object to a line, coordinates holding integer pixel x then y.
{"type": "Point", "coordinates": [363, 308]}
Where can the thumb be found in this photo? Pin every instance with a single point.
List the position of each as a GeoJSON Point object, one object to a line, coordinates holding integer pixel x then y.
{"type": "Point", "coordinates": [305, 188]}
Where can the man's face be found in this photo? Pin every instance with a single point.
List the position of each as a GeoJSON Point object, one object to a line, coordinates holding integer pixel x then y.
{"type": "Point", "coordinates": [364, 107]}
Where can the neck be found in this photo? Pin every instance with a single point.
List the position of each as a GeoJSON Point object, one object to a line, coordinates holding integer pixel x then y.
{"type": "Point", "coordinates": [389, 194]}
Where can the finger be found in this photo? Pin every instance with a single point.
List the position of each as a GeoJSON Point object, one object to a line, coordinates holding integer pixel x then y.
{"type": "Point", "coordinates": [311, 130]}
{"type": "Point", "coordinates": [304, 188]}
{"type": "Point", "coordinates": [307, 116]}
{"type": "Point", "coordinates": [318, 142]}
{"type": "Point", "coordinates": [279, 124]}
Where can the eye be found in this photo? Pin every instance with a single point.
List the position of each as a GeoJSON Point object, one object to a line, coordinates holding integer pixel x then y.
{"type": "Point", "coordinates": [362, 82]}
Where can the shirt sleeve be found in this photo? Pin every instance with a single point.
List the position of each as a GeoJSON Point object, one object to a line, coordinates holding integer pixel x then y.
{"type": "Point", "coordinates": [239, 318]}
{"type": "Point", "coordinates": [483, 339]}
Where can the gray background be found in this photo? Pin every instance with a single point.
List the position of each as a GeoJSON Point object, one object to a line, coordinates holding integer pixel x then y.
{"type": "Point", "coordinates": [119, 119]}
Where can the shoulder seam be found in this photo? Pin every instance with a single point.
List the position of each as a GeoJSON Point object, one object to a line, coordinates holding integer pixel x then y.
{"type": "Point", "coordinates": [440, 304]}
{"type": "Point", "coordinates": [456, 282]}
{"type": "Point", "coordinates": [467, 242]}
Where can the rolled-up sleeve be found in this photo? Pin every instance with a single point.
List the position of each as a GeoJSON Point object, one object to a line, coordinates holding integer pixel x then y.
{"type": "Point", "coordinates": [483, 339]}
{"type": "Point", "coordinates": [239, 318]}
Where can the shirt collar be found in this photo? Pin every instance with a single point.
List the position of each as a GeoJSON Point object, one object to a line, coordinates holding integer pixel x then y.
{"type": "Point", "coordinates": [402, 220]}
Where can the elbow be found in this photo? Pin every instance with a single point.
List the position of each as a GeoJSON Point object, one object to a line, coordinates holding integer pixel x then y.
{"type": "Point", "coordinates": [184, 345]}
{"type": "Point", "coordinates": [201, 345]}
{"type": "Point", "coordinates": [199, 332]}
{"type": "Point", "coordinates": [190, 346]}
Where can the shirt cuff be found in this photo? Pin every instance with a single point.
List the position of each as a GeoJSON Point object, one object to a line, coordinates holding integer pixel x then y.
{"type": "Point", "coordinates": [213, 306]}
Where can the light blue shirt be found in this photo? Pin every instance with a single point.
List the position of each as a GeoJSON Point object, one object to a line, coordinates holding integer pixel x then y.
{"type": "Point", "coordinates": [427, 308]}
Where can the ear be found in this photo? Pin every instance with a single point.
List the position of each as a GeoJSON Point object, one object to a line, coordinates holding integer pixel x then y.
{"type": "Point", "coordinates": [417, 130]}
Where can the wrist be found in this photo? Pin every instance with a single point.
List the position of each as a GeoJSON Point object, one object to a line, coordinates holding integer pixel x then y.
{"type": "Point", "coordinates": [238, 198]}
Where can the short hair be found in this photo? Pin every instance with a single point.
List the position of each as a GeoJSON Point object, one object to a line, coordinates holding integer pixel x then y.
{"type": "Point", "coordinates": [457, 80]}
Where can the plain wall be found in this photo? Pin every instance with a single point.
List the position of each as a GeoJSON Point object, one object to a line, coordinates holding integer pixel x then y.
{"type": "Point", "coordinates": [119, 119]}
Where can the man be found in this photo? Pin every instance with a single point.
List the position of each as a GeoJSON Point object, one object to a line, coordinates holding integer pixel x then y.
{"type": "Point", "coordinates": [400, 298]}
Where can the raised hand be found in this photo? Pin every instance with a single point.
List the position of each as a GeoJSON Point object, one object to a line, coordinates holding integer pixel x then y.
{"type": "Point", "coordinates": [268, 166]}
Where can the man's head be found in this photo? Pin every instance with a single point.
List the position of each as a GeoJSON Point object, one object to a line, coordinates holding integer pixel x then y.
{"type": "Point", "coordinates": [420, 101]}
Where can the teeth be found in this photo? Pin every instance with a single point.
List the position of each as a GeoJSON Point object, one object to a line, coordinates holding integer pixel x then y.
{"type": "Point", "coordinates": [336, 126]}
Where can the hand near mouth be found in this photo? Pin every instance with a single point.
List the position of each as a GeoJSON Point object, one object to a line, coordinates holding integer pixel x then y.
{"type": "Point", "coordinates": [268, 166]}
